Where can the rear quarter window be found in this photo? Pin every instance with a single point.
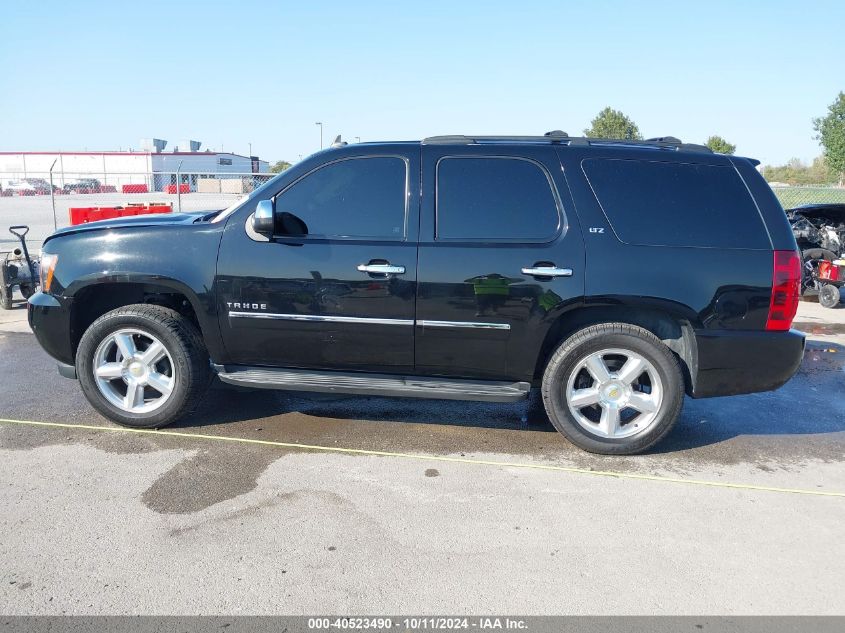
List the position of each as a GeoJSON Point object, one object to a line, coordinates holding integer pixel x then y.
{"type": "Point", "coordinates": [654, 203]}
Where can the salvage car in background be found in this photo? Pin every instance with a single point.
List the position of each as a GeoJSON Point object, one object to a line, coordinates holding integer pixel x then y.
{"type": "Point", "coordinates": [83, 185]}
{"type": "Point", "coordinates": [819, 230]}
{"type": "Point", "coordinates": [26, 187]}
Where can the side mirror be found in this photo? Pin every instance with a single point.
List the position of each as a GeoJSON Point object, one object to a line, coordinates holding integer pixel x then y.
{"type": "Point", "coordinates": [263, 221]}
{"type": "Point", "coordinates": [291, 225]}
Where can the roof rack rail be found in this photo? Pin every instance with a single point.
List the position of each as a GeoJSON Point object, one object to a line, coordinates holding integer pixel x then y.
{"type": "Point", "coordinates": [561, 138]}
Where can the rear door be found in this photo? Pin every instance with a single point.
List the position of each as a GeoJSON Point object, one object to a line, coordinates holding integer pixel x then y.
{"type": "Point", "coordinates": [343, 296]}
{"type": "Point", "coordinates": [500, 258]}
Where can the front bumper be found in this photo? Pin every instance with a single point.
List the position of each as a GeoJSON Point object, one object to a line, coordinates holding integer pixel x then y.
{"type": "Point", "coordinates": [732, 362]}
{"type": "Point", "coordinates": [49, 318]}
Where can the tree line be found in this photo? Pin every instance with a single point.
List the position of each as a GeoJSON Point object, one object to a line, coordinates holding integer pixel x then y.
{"type": "Point", "coordinates": [827, 168]}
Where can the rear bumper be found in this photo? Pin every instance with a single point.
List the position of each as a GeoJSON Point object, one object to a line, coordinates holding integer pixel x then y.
{"type": "Point", "coordinates": [49, 318]}
{"type": "Point", "coordinates": [732, 362]}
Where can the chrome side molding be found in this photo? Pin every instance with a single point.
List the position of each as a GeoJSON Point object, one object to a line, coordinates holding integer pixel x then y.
{"type": "Point", "coordinates": [465, 324]}
{"type": "Point", "coordinates": [318, 318]}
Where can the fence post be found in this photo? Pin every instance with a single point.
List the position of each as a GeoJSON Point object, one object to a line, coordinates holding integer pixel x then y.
{"type": "Point", "coordinates": [53, 196]}
{"type": "Point", "coordinates": [179, 187]}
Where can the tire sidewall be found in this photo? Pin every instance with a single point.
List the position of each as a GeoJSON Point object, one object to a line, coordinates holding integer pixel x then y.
{"type": "Point", "coordinates": [110, 323]}
{"type": "Point", "coordinates": [829, 296]}
{"type": "Point", "coordinates": [559, 370]}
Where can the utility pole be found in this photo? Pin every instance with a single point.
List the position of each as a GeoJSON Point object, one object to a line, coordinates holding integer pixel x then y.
{"type": "Point", "coordinates": [320, 123]}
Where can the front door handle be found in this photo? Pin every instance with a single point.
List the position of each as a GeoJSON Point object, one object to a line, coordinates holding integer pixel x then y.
{"type": "Point", "coordinates": [381, 269]}
{"type": "Point", "coordinates": [547, 271]}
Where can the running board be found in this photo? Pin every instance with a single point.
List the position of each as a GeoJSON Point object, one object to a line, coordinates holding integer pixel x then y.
{"type": "Point", "coordinates": [373, 384]}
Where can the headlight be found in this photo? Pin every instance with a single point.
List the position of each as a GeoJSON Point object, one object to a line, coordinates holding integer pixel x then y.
{"type": "Point", "coordinates": [48, 265]}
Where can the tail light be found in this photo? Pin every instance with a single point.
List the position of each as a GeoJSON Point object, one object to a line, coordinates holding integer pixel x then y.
{"type": "Point", "coordinates": [786, 290]}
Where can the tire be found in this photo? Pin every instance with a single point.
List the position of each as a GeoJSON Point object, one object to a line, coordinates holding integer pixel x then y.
{"type": "Point", "coordinates": [162, 390]}
{"type": "Point", "coordinates": [829, 296]}
{"type": "Point", "coordinates": [658, 389]}
{"type": "Point", "coordinates": [5, 296]}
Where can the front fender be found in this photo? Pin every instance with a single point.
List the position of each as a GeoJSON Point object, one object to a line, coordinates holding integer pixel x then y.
{"type": "Point", "coordinates": [160, 259]}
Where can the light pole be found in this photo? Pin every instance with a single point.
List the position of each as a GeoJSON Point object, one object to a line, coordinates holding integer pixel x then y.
{"type": "Point", "coordinates": [250, 149]}
{"type": "Point", "coordinates": [320, 123]}
{"type": "Point", "coordinates": [357, 139]}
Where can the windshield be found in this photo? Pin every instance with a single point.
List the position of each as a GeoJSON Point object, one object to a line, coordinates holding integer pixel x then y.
{"type": "Point", "coordinates": [225, 213]}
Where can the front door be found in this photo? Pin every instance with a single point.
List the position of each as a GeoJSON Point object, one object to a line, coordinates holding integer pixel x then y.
{"type": "Point", "coordinates": [498, 259]}
{"type": "Point", "coordinates": [341, 297]}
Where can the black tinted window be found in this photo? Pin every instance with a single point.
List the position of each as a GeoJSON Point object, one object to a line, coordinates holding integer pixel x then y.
{"type": "Point", "coordinates": [676, 204]}
{"type": "Point", "coordinates": [494, 199]}
{"type": "Point", "coordinates": [360, 197]}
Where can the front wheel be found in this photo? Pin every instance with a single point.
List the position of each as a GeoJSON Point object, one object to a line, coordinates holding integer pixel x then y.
{"type": "Point", "coordinates": [142, 366]}
{"type": "Point", "coordinates": [613, 389]}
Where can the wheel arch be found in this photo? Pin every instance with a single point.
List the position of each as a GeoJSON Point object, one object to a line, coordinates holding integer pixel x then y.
{"type": "Point", "coordinates": [95, 299]}
{"type": "Point", "coordinates": [675, 331]}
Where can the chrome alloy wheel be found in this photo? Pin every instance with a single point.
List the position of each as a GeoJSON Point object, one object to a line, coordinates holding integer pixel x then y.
{"type": "Point", "coordinates": [134, 371]}
{"type": "Point", "coordinates": [614, 393]}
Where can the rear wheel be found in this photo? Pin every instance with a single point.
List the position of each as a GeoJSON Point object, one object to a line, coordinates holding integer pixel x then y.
{"type": "Point", "coordinates": [143, 365]}
{"type": "Point", "coordinates": [613, 388]}
{"type": "Point", "coordinates": [829, 296]}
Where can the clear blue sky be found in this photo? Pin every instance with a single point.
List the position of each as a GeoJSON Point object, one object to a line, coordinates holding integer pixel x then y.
{"type": "Point", "coordinates": [102, 75]}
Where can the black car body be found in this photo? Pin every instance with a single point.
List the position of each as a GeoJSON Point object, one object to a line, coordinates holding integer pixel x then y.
{"type": "Point", "coordinates": [460, 267]}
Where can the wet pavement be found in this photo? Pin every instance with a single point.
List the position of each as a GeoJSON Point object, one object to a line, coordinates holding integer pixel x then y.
{"type": "Point", "coordinates": [791, 438]}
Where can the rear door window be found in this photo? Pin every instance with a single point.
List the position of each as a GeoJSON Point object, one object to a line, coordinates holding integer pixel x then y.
{"type": "Point", "coordinates": [676, 204]}
{"type": "Point", "coordinates": [495, 199]}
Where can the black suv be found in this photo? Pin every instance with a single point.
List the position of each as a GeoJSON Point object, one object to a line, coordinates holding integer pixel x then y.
{"type": "Point", "coordinates": [613, 275]}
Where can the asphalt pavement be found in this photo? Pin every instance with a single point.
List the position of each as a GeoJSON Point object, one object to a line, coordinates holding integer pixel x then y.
{"type": "Point", "coordinates": [407, 506]}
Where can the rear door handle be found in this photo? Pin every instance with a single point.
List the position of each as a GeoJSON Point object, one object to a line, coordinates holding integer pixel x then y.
{"type": "Point", "coordinates": [381, 269]}
{"type": "Point", "coordinates": [547, 271]}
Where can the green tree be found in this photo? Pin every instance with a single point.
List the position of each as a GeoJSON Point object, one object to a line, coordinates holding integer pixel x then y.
{"type": "Point", "coordinates": [279, 166]}
{"type": "Point", "coordinates": [720, 145]}
{"type": "Point", "coordinates": [830, 131]}
{"type": "Point", "coordinates": [796, 172]}
{"type": "Point", "coordinates": [610, 123]}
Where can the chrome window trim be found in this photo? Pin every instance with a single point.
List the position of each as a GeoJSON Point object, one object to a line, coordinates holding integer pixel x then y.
{"type": "Point", "coordinates": [465, 324]}
{"type": "Point", "coordinates": [562, 221]}
{"type": "Point", "coordinates": [318, 318]}
{"type": "Point", "coordinates": [365, 238]}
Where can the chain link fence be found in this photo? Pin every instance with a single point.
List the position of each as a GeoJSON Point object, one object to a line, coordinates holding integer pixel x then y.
{"type": "Point", "coordinates": [791, 197]}
{"type": "Point", "coordinates": [31, 199]}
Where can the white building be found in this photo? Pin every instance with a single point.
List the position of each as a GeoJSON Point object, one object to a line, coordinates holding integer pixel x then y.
{"type": "Point", "coordinates": [149, 167]}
